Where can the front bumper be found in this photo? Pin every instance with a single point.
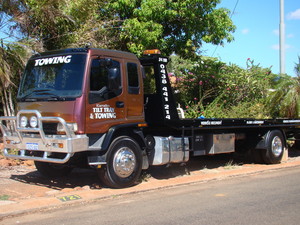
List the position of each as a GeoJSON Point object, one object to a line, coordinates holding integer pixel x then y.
{"type": "Point", "coordinates": [33, 144]}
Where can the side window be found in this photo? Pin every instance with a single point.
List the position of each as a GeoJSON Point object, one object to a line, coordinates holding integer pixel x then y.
{"type": "Point", "coordinates": [105, 80]}
{"type": "Point", "coordinates": [133, 78]}
{"type": "Point", "coordinates": [99, 76]}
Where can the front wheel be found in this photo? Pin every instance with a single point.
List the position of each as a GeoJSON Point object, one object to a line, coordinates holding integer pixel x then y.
{"type": "Point", "coordinates": [124, 163]}
{"type": "Point", "coordinates": [275, 147]}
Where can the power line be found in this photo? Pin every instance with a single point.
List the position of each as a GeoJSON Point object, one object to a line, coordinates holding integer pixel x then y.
{"type": "Point", "coordinates": [233, 11]}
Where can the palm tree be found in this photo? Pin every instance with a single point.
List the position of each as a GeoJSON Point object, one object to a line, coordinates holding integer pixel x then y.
{"type": "Point", "coordinates": [12, 61]}
{"type": "Point", "coordinates": [285, 100]}
{"type": "Point", "coordinates": [297, 67]}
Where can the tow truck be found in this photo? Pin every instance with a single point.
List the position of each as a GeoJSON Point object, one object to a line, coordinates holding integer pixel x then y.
{"type": "Point", "coordinates": [89, 107]}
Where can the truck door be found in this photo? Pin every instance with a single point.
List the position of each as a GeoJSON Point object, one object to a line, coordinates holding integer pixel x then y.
{"type": "Point", "coordinates": [105, 104]}
{"type": "Point", "coordinates": [134, 100]}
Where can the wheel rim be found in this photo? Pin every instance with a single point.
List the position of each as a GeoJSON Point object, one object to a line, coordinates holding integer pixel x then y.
{"type": "Point", "coordinates": [277, 146]}
{"type": "Point", "coordinates": [124, 162]}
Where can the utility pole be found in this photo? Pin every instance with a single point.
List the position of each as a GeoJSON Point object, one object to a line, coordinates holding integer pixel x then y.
{"type": "Point", "coordinates": [282, 38]}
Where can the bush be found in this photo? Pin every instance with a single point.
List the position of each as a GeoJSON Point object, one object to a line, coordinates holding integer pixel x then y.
{"type": "Point", "coordinates": [210, 88]}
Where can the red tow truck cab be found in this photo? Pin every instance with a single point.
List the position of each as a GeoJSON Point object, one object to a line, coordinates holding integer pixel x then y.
{"type": "Point", "coordinates": [89, 107]}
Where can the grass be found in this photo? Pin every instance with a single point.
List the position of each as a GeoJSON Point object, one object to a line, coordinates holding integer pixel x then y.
{"type": "Point", "coordinates": [144, 177]}
{"type": "Point", "coordinates": [230, 165]}
{"type": "Point", "coordinates": [4, 197]}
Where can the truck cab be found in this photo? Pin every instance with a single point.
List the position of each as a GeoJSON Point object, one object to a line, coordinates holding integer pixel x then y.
{"type": "Point", "coordinates": [91, 89]}
{"type": "Point", "coordinates": [72, 101]}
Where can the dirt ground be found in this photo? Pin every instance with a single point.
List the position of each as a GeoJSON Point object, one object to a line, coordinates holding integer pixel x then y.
{"type": "Point", "coordinates": [20, 182]}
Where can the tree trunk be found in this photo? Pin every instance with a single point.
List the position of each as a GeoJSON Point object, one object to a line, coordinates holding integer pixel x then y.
{"type": "Point", "coordinates": [11, 104]}
{"type": "Point", "coordinates": [8, 108]}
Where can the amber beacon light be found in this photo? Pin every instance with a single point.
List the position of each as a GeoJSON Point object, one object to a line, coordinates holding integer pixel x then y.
{"type": "Point", "coordinates": [152, 52]}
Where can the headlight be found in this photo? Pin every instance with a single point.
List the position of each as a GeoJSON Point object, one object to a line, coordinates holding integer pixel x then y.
{"type": "Point", "coordinates": [33, 122]}
{"type": "Point", "coordinates": [23, 121]}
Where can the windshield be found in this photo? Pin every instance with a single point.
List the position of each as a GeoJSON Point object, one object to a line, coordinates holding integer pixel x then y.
{"type": "Point", "coordinates": [53, 78]}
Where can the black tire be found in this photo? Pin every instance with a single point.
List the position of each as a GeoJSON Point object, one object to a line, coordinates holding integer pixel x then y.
{"type": "Point", "coordinates": [52, 170]}
{"type": "Point", "coordinates": [275, 143]}
{"type": "Point", "coordinates": [124, 163]}
{"type": "Point", "coordinates": [257, 156]}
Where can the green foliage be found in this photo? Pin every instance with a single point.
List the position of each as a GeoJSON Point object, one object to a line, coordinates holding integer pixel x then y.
{"type": "Point", "coordinates": [211, 88]}
{"type": "Point", "coordinates": [297, 67]}
{"type": "Point", "coordinates": [12, 60]}
{"type": "Point", "coordinates": [4, 197]}
{"type": "Point", "coordinates": [253, 109]}
{"type": "Point", "coordinates": [244, 85]}
{"type": "Point", "coordinates": [53, 23]}
{"type": "Point", "coordinates": [173, 26]}
{"type": "Point", "coordinates": [131, 25]}
{"type": "Point", "coordinates": [284, 100]}
{"type": "Point", "coordinates": [196, 79]}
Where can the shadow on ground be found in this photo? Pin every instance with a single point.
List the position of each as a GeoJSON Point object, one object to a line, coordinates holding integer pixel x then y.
{"type": "Point", "coordinates": [77, 178]}
{"type": "Point", "coordinates": [198, 163]}
{"type": "Point", "coordinates": [88, 177]}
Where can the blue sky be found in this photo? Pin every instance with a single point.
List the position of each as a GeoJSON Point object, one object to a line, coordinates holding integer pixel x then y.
{"type": "Point", "coordinates": [257, 34]}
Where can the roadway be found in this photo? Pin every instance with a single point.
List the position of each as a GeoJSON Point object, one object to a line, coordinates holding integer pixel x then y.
{"type": "Point", "coordinates": [270, 197]}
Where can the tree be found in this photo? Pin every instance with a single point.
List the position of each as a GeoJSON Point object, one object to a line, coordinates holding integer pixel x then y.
{"type": "Point", "coordinates": [45, 21]}
{"type": "Point", "coordinates": [13, 55]}
{"type": "Point", "coordinates": [197, 80]}
{"type": "Point", "coordinates": [173, 26]}
{"type": "Point", "coordinates": [284, 101]}
{"type": "Point", "coordinates": [12, 60]}
{"type": "Point", "coordinates": [297, 67]}
{"type": "Point", "coordinates": [208, 87]}
{"type": "Point", "coordinates": [131, 25]}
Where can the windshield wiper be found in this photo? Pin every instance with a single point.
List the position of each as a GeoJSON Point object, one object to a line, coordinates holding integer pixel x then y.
{"type": "Point", "coordinates": [52, 96]}
{"type": "Point", "coordinates": [44, 91]}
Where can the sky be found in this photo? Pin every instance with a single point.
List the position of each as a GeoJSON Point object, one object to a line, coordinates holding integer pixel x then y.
{"type": "Point", "coordinates": [257, 34]}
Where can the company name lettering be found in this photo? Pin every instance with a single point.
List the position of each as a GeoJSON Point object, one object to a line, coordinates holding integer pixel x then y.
{"type": "Point", "coordinates": [53, 60]}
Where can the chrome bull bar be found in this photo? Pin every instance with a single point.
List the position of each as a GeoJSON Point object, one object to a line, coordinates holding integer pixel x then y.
{"type": "Point", "coordinates": [24, 142]}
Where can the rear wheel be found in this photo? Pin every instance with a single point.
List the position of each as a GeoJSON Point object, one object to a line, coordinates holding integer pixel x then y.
{"type": "Point", "coordinates": [124, 163]}
{"type": "Point", "coordinates": [275, 147]}
{"type": "Point", "coordinates": [52, 170]}
{"type": "Point", "coordinates": [257, 156]}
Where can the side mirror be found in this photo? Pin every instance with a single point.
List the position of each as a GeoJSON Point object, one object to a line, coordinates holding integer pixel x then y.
{"type": "Point", "coordinates": [105, 62]}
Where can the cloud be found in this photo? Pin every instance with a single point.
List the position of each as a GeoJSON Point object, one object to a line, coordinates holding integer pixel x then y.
{"type": "Point", "coordinates": [276, 46]}
{"type": "Point", "coordinates": [276, 32]}
{"type": "Point", "coordinates": [245, 31]}
{"type": "Point", "coordinates": [294, 15]}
